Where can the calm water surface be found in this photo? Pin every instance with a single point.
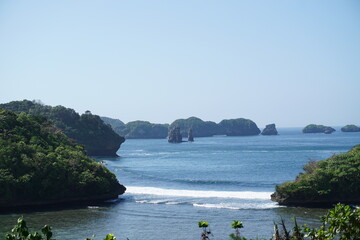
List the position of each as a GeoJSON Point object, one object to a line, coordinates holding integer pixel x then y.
{"type": "Point", "coordinates": [173, 186]}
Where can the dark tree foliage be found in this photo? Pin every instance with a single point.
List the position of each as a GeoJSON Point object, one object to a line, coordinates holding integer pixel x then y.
{"type": "Point", "coordinates": [239, 127]}
{"type": "Point", "coordinates": [333, 180]}
{"type": "Point", "coordinates": [313, 128]}
{"type": "Point", "coordinates": [144, 130]}
{"type": "Point", "coordinates": [350, 128]}
{"type": "Point", "coordinates": [199, 127]}
{"type": "Point", "coordinates": [89, 130]}
{"type": "Point", "coordinates": [38, 163]}
{"type": "Point", "coordinates": [138, 129]}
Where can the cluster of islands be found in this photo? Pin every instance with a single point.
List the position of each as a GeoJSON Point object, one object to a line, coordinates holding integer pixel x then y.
{"type": "Point", "coordinates": [44, 156]}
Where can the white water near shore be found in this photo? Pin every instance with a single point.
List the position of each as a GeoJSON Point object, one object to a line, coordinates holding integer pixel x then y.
{"type": "Point", "coordinates": [197, 194]}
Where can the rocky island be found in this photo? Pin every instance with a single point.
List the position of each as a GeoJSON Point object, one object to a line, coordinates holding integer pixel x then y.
{"type": "Point", "coordinates": [350, 128]}
{"type": "Point", "coordinates": [324, 183]}
{"type": "Point", "coordinates": [88, 129]}
{"type": "Point", "coordinates": [313, 128]}
{"type": "Point", "coordinates": [39, 165]}
{"type": "Point", "coordinates": [270, 130]}
{"type": "Point", "coordinates": [175, 135]}
{"type": "Point", "coordinates": [138, 129]}
{"type": "Point", "coordinates": [238, 127]}
{"type": "Point", "coordinates": [199, 127]}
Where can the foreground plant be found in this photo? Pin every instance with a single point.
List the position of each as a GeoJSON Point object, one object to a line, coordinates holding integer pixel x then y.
{"type": "Point", "coordinates": [205, 233]}
{"type": "Point", "coordinates": [236, 225]}
{"type": "Point", "coordinates": [342, 222]}
{"type": "Point", "coordinates": [21, 232]}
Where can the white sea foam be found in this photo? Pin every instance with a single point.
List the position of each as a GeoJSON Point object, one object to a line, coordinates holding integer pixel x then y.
{"type": "Point", "coordinates": [237, 206]}
{"type": "Point", "coordinates": [159, 202]}
{"type": "Point", "coordinates": [198, 194]}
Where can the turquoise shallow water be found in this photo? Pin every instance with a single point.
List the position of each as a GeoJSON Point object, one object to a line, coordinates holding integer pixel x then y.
{"type": "Point", "coordinates": [173, 186]}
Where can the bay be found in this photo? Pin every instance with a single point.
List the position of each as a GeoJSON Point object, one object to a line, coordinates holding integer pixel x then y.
{"type": "Point", "coordinates": [170, 187]}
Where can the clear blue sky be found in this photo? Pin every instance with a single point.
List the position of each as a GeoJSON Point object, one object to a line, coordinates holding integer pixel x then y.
{"type": "Point", "coordinates": [286, 62]}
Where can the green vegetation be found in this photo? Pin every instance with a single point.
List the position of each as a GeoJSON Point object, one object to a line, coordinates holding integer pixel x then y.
{"type": "Point", "coordinates": [199, 127]}
{"type": "Point", "coordinates": [116, 124]}
{"type": "Point", "coordinates": [40, 165]}
{"type": "Point", "coordinates": [350, 128]}
{"type": "Point", "coordinates": [342, 223]}
{"type": "Point", "coordinates": [333, 180]}
{"type": "Point", "coordinates": [144, 130]}
{"type": "Point", "coordinates": [239, 127]}
{"type": "Point", "coordinates": [313, 128]}
{"type": "Point", "coordinates": [21, 232]}
{"type": "Point", "coordinates": [138, 129]}
{"type": "Point", "coordinates": [89, 130]}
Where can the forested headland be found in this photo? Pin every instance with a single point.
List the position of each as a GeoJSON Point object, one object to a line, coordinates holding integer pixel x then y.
{"type": "Point", "coordinates": [40, 165]}
{"type": "Point", "coordinates": [87, 129]}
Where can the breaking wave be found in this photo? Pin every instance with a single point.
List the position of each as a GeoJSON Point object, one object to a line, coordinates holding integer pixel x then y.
{"type": "Point", "coordinates": [198, 193]}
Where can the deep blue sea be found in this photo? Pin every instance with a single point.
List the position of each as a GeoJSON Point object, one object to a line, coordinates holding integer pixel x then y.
{"type": "Point", "coordinates": [170, 187]}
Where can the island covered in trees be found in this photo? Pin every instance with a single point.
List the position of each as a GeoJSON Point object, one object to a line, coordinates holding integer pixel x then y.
{"type": "Point", "coordinates": [313, 128]}
{"type": "Point", "coordinates": [198, 128]}
{"type": "Point", "coordinates": [87, 129]}
{"type": "Point", "coordinates": [324, 183]}
{"type": "Point", "coordinates": [40, 165]}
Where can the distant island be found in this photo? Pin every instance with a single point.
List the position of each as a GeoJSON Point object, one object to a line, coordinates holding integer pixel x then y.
{"type": "Point", "coordinates": [350, 128]}
{"type": "Point", "coordinates": [324, 183]}
{"type": "Point", "coordinates": [88, 129]}
{"type": "Point", "coordinates": [39, 165]}
{"type": "Point", "coordinates": [193, 125]}
{"type": "Point", "coordinates": [270, 129]}
{"type": "Point", "coordinates": [138, 129]}
{"type": "Point", "coordinates": [313, 128]}
{"type": "Point", "coordinates": [239, 127]}
{"type": "Point", "coordinates": [199, 127]}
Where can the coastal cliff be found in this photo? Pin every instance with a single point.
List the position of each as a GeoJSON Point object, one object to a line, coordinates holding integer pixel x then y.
{"type": "Point", "coordinates": [324, 183]}
{"type": "Point", "coordinates": [39, 165]}
{"type": "Point", "coordinates": [88, 129]}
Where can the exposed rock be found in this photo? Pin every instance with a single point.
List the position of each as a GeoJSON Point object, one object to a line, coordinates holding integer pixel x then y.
{"type": "Point", "coordinates": [313, 128]}
{"type": "Point", "coordinates": [175, 135]}
{"type": "Point", "coordinates": [270, 130]}
{"type": "Point", "coordinates": [190, 136]}
{"type": "Point", "coordinates": [350, 128]}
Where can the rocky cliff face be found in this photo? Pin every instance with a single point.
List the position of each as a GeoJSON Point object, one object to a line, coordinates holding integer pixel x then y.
{"type": "Point", "coordinates": [270, 130]}
{"type": "Point", "coordinates": [190, 136]}
{"type": "Point", "coordinates": [175, 135]}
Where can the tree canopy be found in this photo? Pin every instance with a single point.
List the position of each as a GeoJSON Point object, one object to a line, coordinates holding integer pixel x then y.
{"type": "Point", "coordinates": [333, 180]}
{"type": "Point", "coordinates": [89, 130]}
{"type": "Point", "coordinates": [39, 164]}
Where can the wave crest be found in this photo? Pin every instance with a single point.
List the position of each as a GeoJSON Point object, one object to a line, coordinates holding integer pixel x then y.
{"type": "Point", "coordinates": [198, 193]}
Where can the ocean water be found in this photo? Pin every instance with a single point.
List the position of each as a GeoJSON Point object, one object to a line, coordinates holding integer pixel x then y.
{"type": "Point", "coordinates": [170, 187]}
